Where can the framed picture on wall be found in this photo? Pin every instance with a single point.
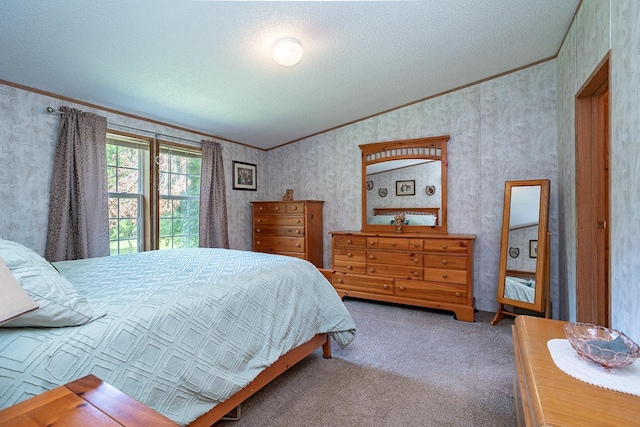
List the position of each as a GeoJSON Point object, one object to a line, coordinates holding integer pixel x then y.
{"type": "Point", "coordinates": [533, 249]}
{"type": "Point", "coordinates": [406, 188]}
{"type": "Point", "coordinates": [245, 176]}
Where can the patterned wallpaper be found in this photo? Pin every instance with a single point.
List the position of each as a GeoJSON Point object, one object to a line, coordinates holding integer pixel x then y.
{"type": "Point", "coordinates": [27, 144]}
{"type": "Point", "coordinates": [625, 166]}
{"type": "Point", "coordinates": [600, 26]}
{"type": "Point", "coordinates": [520, 238]}
{"type": "Point", "coordinates": [502, 129]}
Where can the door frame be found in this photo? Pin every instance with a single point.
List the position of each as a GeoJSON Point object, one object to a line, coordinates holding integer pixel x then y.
{"type": "Point", "coordinates": [592, 118]}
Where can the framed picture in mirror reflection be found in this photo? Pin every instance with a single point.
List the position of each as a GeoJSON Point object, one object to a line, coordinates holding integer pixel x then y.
{"type": "Point", "coordinates": [533, 249]}
{"type": "Point", "coordinates": [406, 188]}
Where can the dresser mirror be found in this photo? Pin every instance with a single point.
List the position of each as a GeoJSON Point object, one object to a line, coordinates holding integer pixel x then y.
{"type": "Point", "coordinates": [523, 277]}
{"type": "Point", "coordinates": [407, 178]}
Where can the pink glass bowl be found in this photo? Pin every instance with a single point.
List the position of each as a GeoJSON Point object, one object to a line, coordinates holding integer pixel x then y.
{"type": "Point", "coordinates": [607, 347]}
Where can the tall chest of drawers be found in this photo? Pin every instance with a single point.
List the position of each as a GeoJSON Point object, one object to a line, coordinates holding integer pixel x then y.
{"type": "Point", "coordinates": [289, 228]}
{"type": "Point", "coordinates": [432, 271]}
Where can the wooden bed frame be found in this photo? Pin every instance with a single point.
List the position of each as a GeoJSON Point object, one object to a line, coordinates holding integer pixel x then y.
{"type": "Point", "coordinates": [407, 211]}
{"type": "Point", "coordinates": [285, 361]}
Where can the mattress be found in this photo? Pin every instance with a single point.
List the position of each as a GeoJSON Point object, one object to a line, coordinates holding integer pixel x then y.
{"type": "Point", "coordinates": [184, 329]}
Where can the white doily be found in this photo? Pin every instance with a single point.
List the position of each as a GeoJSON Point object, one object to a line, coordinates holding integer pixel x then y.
{"type": "Point", "coordinates": [625, 380]}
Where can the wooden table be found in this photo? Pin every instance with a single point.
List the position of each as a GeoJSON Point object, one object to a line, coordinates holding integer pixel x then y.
{"type": "Point", "coordinates": [87, 401]}
{"type": "Point", "coordinates": [546, 396]}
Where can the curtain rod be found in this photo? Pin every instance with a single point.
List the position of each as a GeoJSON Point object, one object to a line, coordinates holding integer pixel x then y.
{"type": "Point", "coordinates": [52, 110]}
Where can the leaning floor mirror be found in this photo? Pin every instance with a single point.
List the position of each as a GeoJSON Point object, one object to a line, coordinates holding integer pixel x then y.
{"type": "Point", "coordinates": [523, 277]}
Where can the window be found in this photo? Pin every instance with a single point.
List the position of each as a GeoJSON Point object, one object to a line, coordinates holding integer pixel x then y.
{"type": "Point", "coordinates": [179, 198]}
{"type": "Point", "coordinates": [135, 222]}
{"type": "Point", "coordinates": [125, 179]}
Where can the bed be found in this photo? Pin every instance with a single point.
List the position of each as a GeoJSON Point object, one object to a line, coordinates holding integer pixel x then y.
{"type": "Point", "coordinates": [520, 286]}
{"type": "Point", "coordinates": [190, 332]}
{"type": "Point", "coordinates": [413, 216]}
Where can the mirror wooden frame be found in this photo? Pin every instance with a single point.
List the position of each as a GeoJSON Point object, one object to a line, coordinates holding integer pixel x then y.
{"type": "Point", "coordinates": [541, 301]}
{"type": "Point", "coordinates": [432, 148]}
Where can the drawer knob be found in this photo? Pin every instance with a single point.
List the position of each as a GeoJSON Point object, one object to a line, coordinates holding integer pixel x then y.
{"type": "Point", "coordinates": [371, 269]}
{"type": "Point", "coordinates": [402, 288]}
{"type": "Point", "coordinates": [349, 241]}
{"type": "Point", "coordinates": [339, 280]}
{"type": "Point", "coordinates": [415, 245]}
{"type": "Point", "coordinates": [277, 208]}
{"type": "Point", "coordinates": [393, 243]}
{"type": "Point", "coordinates": [298, 245]}
{"type": "Point", "coordinates": [258, 220]}
{"type": "Point", "coordinates": [258, 242]}
{"type": "Point", "coordinates": [299, 221]}
{"type": "Point", "coordinates": [260, 208]}
{"type": "Point", "coordinates": [444, 276]}
{"type": "Point", "coordinates": [385, 286]}
{"type": "Point", "coordinates": [445, 262]}
{"type": "Point", "coordinates": [258, 230]}
{"type": "Point", "coordinates": [295, 208]}
{"type": "Point", "coordinates": [349, 267]}
{"type": "Point", "coordinates": [415, 273]}
{"type": "Point", "coordinates": [457, 294]}
{"type": "Point", "coordinates": [372, 257]}
{"type": "Point", "coordinates": [349, 254]}
{"type": "Point", "coordinates": [444, 246]}
{"type": "Point", "coordinates": [415, 260]}
{"type": "Point", "coordinates": [372, 242]}
{"type": "Point", "coordinates": [298, 231]}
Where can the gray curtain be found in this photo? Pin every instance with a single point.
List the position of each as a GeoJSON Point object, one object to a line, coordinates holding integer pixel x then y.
{"type": "Point", "coordinates": [78, 211]}
{"type": "Point", "coordinates": [213, 198]}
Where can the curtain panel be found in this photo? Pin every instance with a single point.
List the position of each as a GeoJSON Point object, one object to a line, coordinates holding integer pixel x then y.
{"type": "Point", "coordinates": [213, 228]}
{"type": "Point", "coordinates": [78, 208]}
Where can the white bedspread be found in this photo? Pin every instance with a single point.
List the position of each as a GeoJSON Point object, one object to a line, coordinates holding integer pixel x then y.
{"type": "Point", "coordinates": [184, 329]}
{"type": "Point", "coordinates": [520, 289]}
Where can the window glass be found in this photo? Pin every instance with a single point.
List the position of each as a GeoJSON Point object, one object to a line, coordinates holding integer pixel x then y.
{"type": "Point", "coordinates": [179, 198]}
{"type": "Point", "coordinates": [124, 181]}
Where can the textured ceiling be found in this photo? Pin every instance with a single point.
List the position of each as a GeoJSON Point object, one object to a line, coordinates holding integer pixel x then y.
{"type": "Point", "coordinates": [206, 65]}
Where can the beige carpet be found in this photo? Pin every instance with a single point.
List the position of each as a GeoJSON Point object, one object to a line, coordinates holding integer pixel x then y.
{"type": "Point", "coordinates": [406, 367]}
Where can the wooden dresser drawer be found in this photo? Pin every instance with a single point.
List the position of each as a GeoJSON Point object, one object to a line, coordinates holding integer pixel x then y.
{"type": "Point", "coordinates": [260, 220]}
{"type": "Point", "coordinates": [354, 282]}
{"type": "Point", "coordinates": [445, 245]}
{"type": "Point", "coordinates": [350, 267]}
{"type": "Point", "coordinates": [431, 291]}
{"type": "Point", "coordinates": [270, 207]}
{"type": "Point", "coordinates": [350, 255]}
{"type": "Point", "coordinates": [395, 271]}
{"type": "Point", "coordinates": [294, 207]}
{"type": "Point", "coordinates": [395, 258]}
{"type": "Point", "coordinates": [445, 276]}
{"type": "Point", "coordinates": [350, 241]}
{"type": "Point", "coordinates": [278, 230]}
{"type": "Point", "coordinates": [392, 243]}
{"type": "Point", "coordinates": [277, 243]}
{"type": "Point", "coordinates": [452, 262]}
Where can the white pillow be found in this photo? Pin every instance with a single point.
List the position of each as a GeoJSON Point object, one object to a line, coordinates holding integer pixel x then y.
{"type": "Point", "coordinates": [60, 303]}
{"type": "Point", "coordinates": [427, 219]}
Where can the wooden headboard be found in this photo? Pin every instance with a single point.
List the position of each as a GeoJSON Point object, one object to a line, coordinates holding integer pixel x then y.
{"type": "Point", "coordinates": [411, 211]}
{"type": "Point", "coordinates": [522, 274]}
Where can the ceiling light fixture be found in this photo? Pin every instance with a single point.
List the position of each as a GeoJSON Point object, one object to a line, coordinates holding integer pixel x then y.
{"type": "Point", "coordinates": [287, 52]}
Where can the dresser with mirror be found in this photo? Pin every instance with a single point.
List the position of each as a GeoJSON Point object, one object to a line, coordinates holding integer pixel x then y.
{"type": "Point", "coordinates": [403, 253]}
